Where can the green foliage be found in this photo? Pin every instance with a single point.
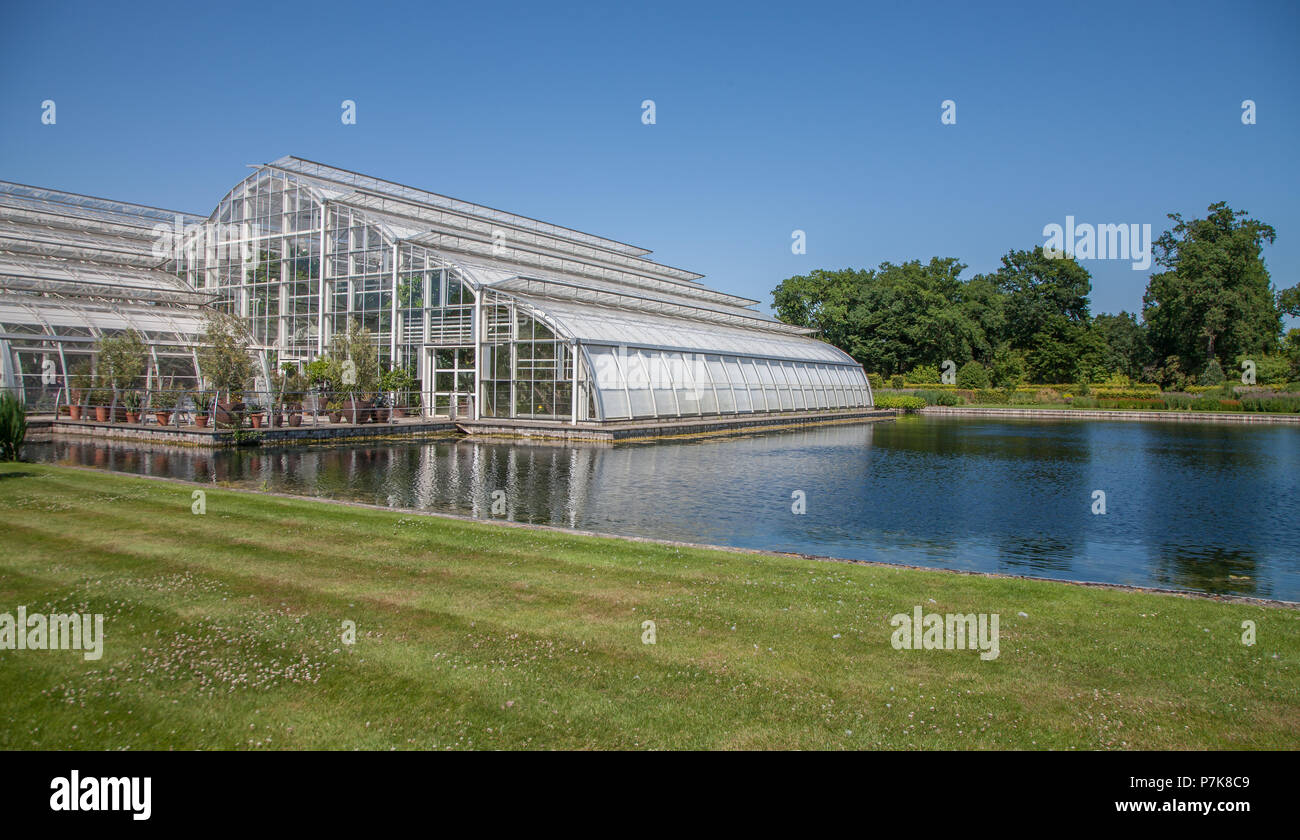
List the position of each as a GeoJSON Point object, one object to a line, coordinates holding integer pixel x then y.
{"type": "Point", "coordinates": [1276, 405]}
{"type": "Point", "coordinates": [1137, 403]}
{"type": "Point", "coordinates": [1030, 320]}
{"type": "Point", "coordinates": [907, 403]}
{"type": "Point", "coordinates": [1288, 301]}
{"type": "Point", "coordinates": [1213, 374]}
{"type": "Point", "coordinates": [897, 381]}
{"type": "Point", "coordinates": [224, 355]}
{"type": "Point", "coordinates": [357, 346]}
{"type": "Point", "coordinates": [1214, 297]}
{"type": "Point", "coordinates": [13, 427]}
{"type": "Point", "coordinates": [1270, 369]}
{"type": "Point", "coordinates": [895, 317]}
{"type": "Point", "coordinates": [1008, 368]}
{"type": "Point", "coordinates": [80, 381]}
{"type": "Point", "coordinates": [973, 375]}
{"type": "Point", "coordinates": [1040, 290]}
{"type": "Point", "coordinates": [991, 397]}
{"type": "Point", "coordinates": [121, 360]}
{"type": "Point", "coordinates": [923, 375]}
{"type": "Point", "coordinates": [400, 380]}
{"type": "Point", "coordinates": [131, 400]}
{"type": "Point", "coordinates": [1124, 339]}
{"type": "Point", "coordinates": [935, 397]}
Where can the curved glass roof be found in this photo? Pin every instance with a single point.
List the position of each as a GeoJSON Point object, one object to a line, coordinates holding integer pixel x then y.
{"type": "Point", "coordinates": [595, 324]}
{"type": "Point", "coordinates": [66, 319]}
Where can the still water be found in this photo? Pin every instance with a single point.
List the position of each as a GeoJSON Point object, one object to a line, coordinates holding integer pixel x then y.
{"type": "Point", "coordinates": [1187, 505]}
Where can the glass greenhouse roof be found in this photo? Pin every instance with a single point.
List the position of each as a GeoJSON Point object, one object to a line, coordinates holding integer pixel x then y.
{"type": "Point", "coordinates": [593, 324]}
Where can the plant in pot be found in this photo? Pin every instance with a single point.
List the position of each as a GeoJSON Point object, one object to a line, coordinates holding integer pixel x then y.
{"type": "Point", "coordinates": [131, 402]}
{"type": "Point", "coordinates": [200, 400]}
{"type": "Point", "coordinates": [319, 378]}
{"type": "Point", "coordinates": [396, 383]}
{"type": "Point", "coordinates": [121, 363]}
{"type": "Point", "coordinates": [163, 403]}
{"type": "Point", "coordinates": [357, 356]}
{"type": "Point", "coordinates": [254, 409]}
{"type": "Point", "coordinates": [80, 383]}
{"type": "Point", "coordinates": [226, 364]}
{"type": "Point", "coordinates": [292, 388]}
{"type": "Point", "coordinates": [334, 408]}
{"type": "Point", "coordinates": [99, 399]}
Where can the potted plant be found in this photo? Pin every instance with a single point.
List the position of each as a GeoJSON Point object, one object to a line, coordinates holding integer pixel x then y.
{"type": "Point", "coordinates": [226, 365]}
{"type": "Point", "coordinates": [131, 402]}
{"type": "Point", "coordinates": [163, 404]}
{"type": "Point", "coordinates": [200, 399]}
{"type": "Point", "coordinates": [100, 399]}
{"type": "Point", "coordinates": [396, 383]}
{"type": "Point", "coordinates": [255, 415]}
{"type": "Point", "coordinates": [80, 384]}
{"type": "Point", "coordinates": [122, 360]}
{"type": "Point", "coordinates": [334, 408]}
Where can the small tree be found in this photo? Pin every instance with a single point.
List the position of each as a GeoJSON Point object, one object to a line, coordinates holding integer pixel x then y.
{"type": "Point", "coordinates": [1213, 374]}
{"type": "Point", "coordinates": [224, 356]}
{"type": "Point", "coordinates": [122, 360]}
{"type": "Point", "coordinates": [973, 375]}
{"type": "Point", "coordinates": [357, 346]}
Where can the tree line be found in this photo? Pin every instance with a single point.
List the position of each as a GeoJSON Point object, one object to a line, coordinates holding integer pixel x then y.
{"type": "Point", "coordinates": [1209, 304]}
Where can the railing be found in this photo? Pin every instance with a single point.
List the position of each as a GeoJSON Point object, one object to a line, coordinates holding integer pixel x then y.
{"type": "Point", "coordinates": [162, 407]}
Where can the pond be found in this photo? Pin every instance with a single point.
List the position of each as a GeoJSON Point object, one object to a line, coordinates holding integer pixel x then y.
{"type": "Point", "coordinates": [1197, 506]}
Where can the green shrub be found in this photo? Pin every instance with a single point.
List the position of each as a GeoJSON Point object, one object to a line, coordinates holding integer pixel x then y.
{"type": "Point", "coordinates": [1126, 393]}
{"type": "Point", "coordinates": [1210, 404]}
{"type": "Point", "coordinates": [1271, 368]}
{"type": "Point", "coordinates": [936, 397]}
{"type": "Point", "coordinates": [13, 427]}
{"type": "Point", "coordinates": [1213, 374]}
{"type": "Point", "coordinates": [1272, 405]}
{"type": "Point", "coordinates": [906, 403]}
{"type": "Point", "coordinates": [987, 396]}
{"type": "Point", "coordinates": [923, 375]}
{"type": "Point", "coordinates": [876, 380]}
{"type": "Point", "coordinates": [973, 375]}
{"type": "Point", "coordinates": [896, 381]}
{"type": "Point", "coordinates": [1145, 404]}
{"type": "Point", "coordinates": [1085, 402]}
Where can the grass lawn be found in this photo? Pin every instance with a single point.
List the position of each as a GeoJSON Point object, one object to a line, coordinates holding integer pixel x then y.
{"type": "Point", "coordinates": [224, 630]}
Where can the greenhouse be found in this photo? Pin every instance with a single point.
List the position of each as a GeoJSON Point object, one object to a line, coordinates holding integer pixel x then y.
{"type": "Point", "coordinates": [75, 270]}
{"type": "Point", "coordinates": [493, 315]}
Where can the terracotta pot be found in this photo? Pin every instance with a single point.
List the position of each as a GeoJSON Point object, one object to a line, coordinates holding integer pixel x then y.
{"type": "Point", "coordinates": [257, 420]}
{"type": "Point", "coordinates": [380, 415]}
{"type": "Point", "coordinates": [163, 417]}
{"type": "Point", "coordinates": [230, 415]}
{"type": "Point", "coordinates": [336, 416]}
{"type": "Point", "coordinates": [399, 413]}
{"type": "Point", "coordinates": [201, 420]}
{"type": "Point", "coordinates": [133, 417]}
{"type": "Point", "coordinates": [295, 419]}
{"type": "Point", "coordinates": [354, 411]}
{"type": "Point", "coordinates": [101, 414]}
{"type": "Point", "coordinates": [74, 411]}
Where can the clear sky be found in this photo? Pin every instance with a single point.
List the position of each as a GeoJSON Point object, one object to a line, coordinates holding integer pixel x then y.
{"type": "Point", "coordinates": [821, 117]}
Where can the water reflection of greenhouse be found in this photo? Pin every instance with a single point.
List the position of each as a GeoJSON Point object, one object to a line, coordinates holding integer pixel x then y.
{"type": "Point", "coordinates": [498, 314]}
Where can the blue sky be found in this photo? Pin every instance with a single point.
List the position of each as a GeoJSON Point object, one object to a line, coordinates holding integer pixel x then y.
{"type": "Point", "coordinates": [818, 117]}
